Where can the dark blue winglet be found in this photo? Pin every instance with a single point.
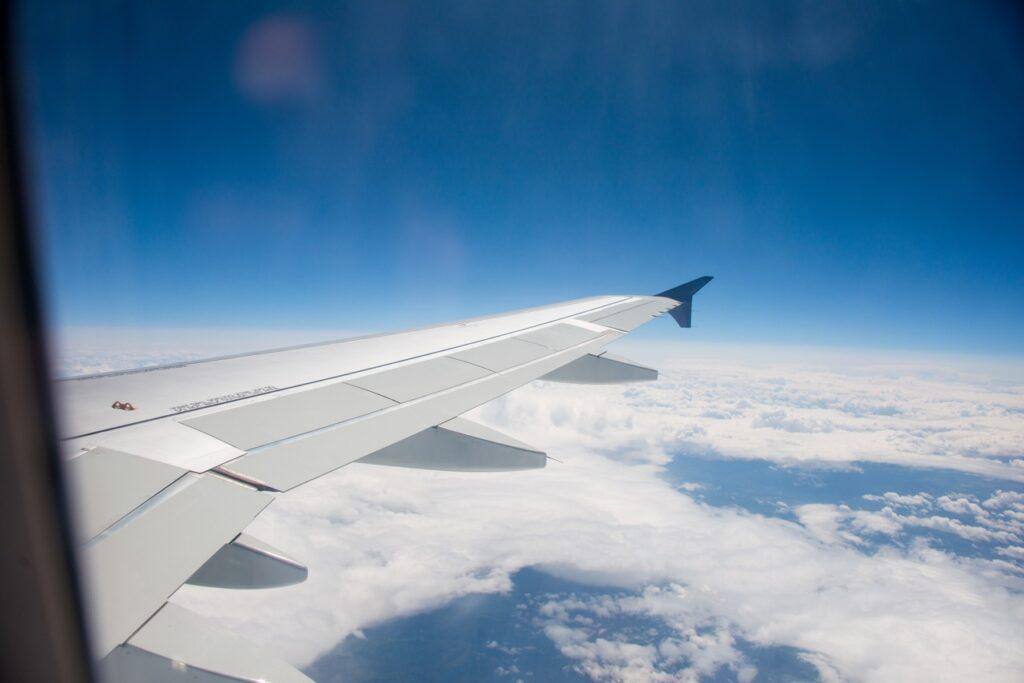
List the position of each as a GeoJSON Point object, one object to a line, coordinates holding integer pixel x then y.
{"type": "Point", "coordinates": [684, 295]}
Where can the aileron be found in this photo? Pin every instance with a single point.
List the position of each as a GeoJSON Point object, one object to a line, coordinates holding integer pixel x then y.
{"type": "Point", "coordinates": [558, 337]}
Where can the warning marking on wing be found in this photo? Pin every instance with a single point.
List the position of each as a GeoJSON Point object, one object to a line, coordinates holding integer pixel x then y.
{"type": "Point", "coordinates": [227, 398]}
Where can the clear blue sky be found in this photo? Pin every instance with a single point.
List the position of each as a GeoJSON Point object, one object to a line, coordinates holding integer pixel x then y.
{"type": "Point", "coordinates": [851, 173]}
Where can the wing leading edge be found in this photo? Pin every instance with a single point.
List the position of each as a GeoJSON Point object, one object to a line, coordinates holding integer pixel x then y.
{"type": "Point", "coordinates": [166, 491]}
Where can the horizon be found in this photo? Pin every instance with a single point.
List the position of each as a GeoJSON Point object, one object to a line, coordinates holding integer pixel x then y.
{"type": "Point", "coordinates": [841, 172]}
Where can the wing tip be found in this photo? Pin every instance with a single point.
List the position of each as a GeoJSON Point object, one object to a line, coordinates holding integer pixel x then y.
{"type": "Point", "coordinates": [686, 290]}
{"type": "Point", "coordinates": [683, 294]}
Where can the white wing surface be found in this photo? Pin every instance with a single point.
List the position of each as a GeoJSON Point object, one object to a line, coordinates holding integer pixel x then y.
{"type": "Point", "coordinates": [170, 464]}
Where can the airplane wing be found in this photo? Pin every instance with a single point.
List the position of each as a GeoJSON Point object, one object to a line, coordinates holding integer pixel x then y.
{"type": "Point", "coordinates": [171, 464]}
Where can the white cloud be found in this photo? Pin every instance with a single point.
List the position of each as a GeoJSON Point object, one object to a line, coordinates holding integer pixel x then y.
{"type": "Point", "coordinates": [823, 521]}
{"type": "Point", "coordinates": [1016, 552]}
{"type": "Point", "coordinates": [1006, 499]}
{"type": "Point", "coordinates": [828, 522]}
{"type": "Point", "coordinates": [780, 419]}
{"type": "Point", "coordinates": [955, 526]}
{"type": "Point", "coordinates": [700, 645]}
{"type": "Point", "coordinates": [833, 408]}
{"type": "Point", "coordinates": [893, 498]}
{"type": "Point", "coordinates": [960, 505]}
{"type": "Point", "coordinates": [842, 524]}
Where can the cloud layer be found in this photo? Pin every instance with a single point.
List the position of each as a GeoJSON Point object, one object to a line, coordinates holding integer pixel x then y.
{"type": "Point", "coordinates": [854, 589]}
{"type": "Point", "coordinates": [811, 407]}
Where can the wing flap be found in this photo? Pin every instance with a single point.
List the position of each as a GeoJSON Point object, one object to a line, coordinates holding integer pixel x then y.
{"type": "Point", "coordinates": [126, 481]}
{"type": "Point", "coordinates": [178, 645]}
{"type": "Point", "coordinates": [134, 566]}
{"type": "Point", "coordinates": [272, 419]}
{"type": "Point", "coordinates": [163, 440]}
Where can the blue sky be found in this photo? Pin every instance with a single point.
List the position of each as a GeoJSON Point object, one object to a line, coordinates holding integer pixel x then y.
{"type": "Point", "coordinates": [851, 173]}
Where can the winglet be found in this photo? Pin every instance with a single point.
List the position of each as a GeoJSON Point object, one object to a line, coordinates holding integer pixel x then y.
{"type": "Point", "coordinates": [684, 295]}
